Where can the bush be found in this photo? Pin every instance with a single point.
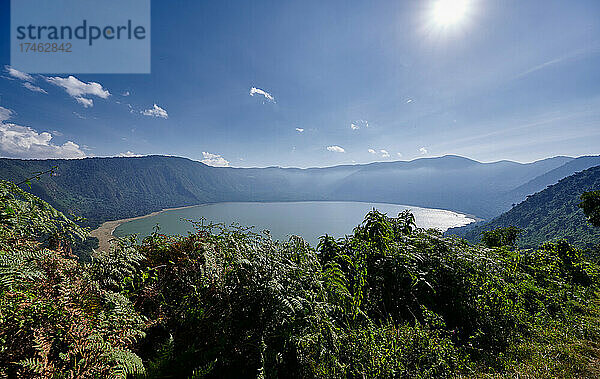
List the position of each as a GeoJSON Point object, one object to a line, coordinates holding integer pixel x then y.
{"type": "Point", "coordinates": [389, 300]}
{"type": "Point", "coordinates": [54, 320]}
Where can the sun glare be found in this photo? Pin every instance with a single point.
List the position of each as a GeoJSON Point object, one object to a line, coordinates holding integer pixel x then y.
{"type": "Point", "coordinates": [449, 12]}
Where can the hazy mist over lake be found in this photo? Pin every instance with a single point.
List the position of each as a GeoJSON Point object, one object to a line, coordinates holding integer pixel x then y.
{"type": "Point", "coordinates": [307, 219]}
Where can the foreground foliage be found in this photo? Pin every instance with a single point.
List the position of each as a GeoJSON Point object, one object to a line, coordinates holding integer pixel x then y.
{"type": "Point", "coordinates": [390, 300]}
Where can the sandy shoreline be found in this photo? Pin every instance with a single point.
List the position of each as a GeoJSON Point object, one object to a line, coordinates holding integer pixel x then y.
{"type": "Point", "coordinates": [104, 233]}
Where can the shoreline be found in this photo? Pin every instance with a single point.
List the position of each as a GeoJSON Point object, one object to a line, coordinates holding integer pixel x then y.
{"type": "Point", "coordinates": [104, 232]}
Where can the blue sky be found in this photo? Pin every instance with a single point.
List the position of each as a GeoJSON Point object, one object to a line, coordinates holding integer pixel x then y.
{"type": "Point", "coordinates": [350, 81]}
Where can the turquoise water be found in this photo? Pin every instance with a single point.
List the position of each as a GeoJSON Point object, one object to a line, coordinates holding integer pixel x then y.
{"type": "Point", "coordinates": [308, 219]}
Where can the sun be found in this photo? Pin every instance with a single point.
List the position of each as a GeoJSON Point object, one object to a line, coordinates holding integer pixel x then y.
{"type": "Point", "coordinates": [449, 12]}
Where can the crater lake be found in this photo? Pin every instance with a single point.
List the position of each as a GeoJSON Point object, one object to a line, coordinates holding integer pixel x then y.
{"type": "Point", "coordinates": [308, 219]}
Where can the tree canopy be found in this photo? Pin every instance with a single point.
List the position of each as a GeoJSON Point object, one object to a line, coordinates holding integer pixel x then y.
{"type": "Point", "coordinates": [590, 203]}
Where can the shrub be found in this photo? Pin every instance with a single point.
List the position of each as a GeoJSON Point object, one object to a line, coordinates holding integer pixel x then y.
{"type": "Point", "coordinates": [389, 300]}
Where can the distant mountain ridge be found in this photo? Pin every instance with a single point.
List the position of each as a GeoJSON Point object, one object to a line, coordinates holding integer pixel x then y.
{"type": "Point", "coordinates": [449, 182]}
{"type": "Point", "coordinates": [551, 177]}
{"type": "Point", "coordinates": [548, 215]}
{"type": "Point", "coordinates": [102, 189]}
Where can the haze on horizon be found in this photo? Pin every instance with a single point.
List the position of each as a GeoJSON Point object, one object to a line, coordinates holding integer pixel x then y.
{"type": "Point", "coordinates": [313, 84]}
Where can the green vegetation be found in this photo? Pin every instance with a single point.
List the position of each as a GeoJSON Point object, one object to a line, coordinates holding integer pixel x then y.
{"type": "Point", "coordinates": [550, 215]}
{"type": "Point", "coordinates": [590, 203]}
{"type": "Point", "coordinates": [103, 189]}
{"type": "Point", "coordinates": [55, 320]}
{"type": "Point", "coordinates": [390, 300]}
{"type": "Point", "coordinates": [501, 237]}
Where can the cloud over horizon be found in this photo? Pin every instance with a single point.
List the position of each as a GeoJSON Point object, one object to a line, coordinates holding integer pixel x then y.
{"type": "Point", "coordinates": [18, 141]}
{"type": "Point", "coordinates": [129, 154]}
{"type": "Point", "coordinates": [215, 160]}
{"type": "Point", "coordinates": [382, 153]}
{"type": "Point", "coordinates": [336, 149]}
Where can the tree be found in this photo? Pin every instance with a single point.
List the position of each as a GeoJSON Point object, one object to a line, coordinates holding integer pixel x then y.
{"type": "Point", "coordinates": [590, 203]}
{"type": "Point", "coordinates": [501, 237]}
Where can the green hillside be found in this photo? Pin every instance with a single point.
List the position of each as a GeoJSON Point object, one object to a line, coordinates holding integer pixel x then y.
{"type": "Point", "coordinates": [102, 189]}
{"type": "Point", "coordinates": [549, 215]}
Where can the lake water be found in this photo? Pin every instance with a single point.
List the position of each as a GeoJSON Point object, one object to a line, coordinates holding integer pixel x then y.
{"type": "Point", "coordinates": [309, 219]}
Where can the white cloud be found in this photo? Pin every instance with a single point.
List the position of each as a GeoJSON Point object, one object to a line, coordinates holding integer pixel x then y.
{"type": "Point", "coordinates": [5, 114]}
{"type": "Point", "coordinates": [258, 91]}
{"type": "Point", "coordinates": [27, 79]}
{"type": "Point", "coordinates": [18, 141]}
{"type": "Point", "coordinates": [573, 55]}
{"type": "Point", "coordinates": [18, 74]}
{"type": "Point", "coordinates": [80, 90]}
{"type": "Point", "coordinates": [423, 151]}
{"type": "Point", "coordinates": [129, 154]}
{"type": "Point", "coordinates": [383, 153]}
{"type": "Point", "coordinates": [85, 102]}
{"type": "Point", "coordinates": [336, 149]}
{"type": "Point", "coordinates": [76, 87]}
{"type": "Point", "coordinates": [126, 93]}
{"type": "Point", "coordinates": [355, 125]}
{"type": "Point", "coordinates": [299, 130]}
{"type": "Point", "coordinates": [155, 111]}
{"type": "Point", "coordinates": [34, 88]}
{"type": "Point", "coordinates": [215, 160]}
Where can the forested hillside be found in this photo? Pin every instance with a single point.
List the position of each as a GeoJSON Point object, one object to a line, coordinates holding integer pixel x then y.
{"type": "Point", "coordinates": [101, 189]}
{"type": "Point", "coordinates": [549, 215]}
{"type": "Point", "coordinates": [520, 193]}
{"type": "Point", "coordinates": [389, 300]}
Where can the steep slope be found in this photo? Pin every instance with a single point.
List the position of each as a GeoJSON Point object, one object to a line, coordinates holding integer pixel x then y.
{"type": "Point", "coordinates": [110, 188]}
{"type": "Point", "coordinates": [548, 215]}
{"type": "Point", "coordinates": [519, 194]}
